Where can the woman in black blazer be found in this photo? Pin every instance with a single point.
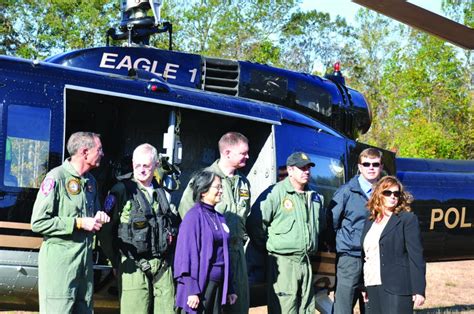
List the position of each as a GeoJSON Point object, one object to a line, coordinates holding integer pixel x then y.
{"type": "Point", "coordinates": [394, 267]}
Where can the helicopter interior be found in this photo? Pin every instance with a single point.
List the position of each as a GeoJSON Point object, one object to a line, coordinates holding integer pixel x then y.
{"type": "Point", "coordinates": [124, 123]}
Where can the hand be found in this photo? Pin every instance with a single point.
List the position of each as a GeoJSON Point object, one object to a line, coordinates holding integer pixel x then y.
{"type": "Point", "coordinates": [232, 298]}
{"type": "Point", "coordinates": [102, 217]}
{"type": "Point", "coordinates": [193, 301]}
{"type": "Point", "coordinates": [90, 224]}
{"type": "Point", "coordinates": [365, 295]}
{"type": "Point", "coordinates": [418, 299]}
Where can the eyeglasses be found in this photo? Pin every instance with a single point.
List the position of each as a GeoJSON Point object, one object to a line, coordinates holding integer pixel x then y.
{"type": "Point", "coordinates": [217, 187]}
{"type": "Point", "coordinates": [389, 193]}
{"type": "Point", "coordinates": [374, 164]}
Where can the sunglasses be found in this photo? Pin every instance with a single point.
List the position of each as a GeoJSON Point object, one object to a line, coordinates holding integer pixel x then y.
{"type": "Point", "coordinates": [374, 164]}
{"type": "Point", "coordinates": [389, 193]}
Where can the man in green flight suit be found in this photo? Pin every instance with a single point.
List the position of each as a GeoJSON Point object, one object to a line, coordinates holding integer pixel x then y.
{"type": "Point", "coordinates": [235, 206]}
{"type": "Point", "coordinates": [66, 212]}
{"type": "Point", "coordinates": [290, 221]}
{"type": "Point", "coordinates": [129, 241]}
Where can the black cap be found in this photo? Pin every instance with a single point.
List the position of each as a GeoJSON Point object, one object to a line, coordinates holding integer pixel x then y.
{"type": "Point", "coordinates": [299, 159]}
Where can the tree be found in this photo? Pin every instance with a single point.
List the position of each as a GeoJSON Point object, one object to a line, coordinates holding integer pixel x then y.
{"type": "Point", "coordinates": [430, 105]}
{"type": "Point", "coordinates": [230, 29]}
{"type": "Point", "coordinates": [374, 46]}
{"type": "Point", "coordinates": [45, 27]}
{"type": "Point", "coordinates": [312, 37]}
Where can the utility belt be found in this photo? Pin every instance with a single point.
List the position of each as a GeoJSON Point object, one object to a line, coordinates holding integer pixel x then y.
{"type": "Point", "coordinates": [145, 266]}
{"type": "Point", "coordinates": [142, 261]}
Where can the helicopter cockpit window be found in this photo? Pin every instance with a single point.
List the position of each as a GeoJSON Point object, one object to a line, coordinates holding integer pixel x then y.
{"type": "Point", "coordinates": [328, 175]}
{"type": "Point", "coordinates": [313, 97]}
{"type": "Point", "coordinates": [266, 86]}
{"type": "Point", "coordinates": [26, 146]}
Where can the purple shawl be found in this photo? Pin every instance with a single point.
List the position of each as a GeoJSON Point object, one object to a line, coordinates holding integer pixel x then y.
{"type": "Point", "coordinates": [193, 256]}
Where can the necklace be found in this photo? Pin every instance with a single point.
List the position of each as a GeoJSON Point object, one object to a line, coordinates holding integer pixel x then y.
{"type": "Point", "coordinates": [213, 222]}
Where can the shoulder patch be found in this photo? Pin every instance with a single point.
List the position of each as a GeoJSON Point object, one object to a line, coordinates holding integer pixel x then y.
{"type": "Point", "coordinates": [315, 198]}
{"type": "Point", "coordinates": [109, 203]}
{"type": "Point", "coordinates": [47, 186]}
{"type": "Point", "coordinates": [90, 187]}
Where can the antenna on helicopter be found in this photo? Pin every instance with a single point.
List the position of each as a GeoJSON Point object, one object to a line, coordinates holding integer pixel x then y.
{"type": "Point", "coordinates": [136, 26]}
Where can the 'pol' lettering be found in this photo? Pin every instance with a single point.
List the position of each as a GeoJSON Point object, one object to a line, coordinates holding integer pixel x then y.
{"type": "Point", "coordinates": [452, 218]}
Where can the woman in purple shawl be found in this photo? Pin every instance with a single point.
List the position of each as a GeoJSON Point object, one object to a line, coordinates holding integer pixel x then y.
{"type": "Point", "coordinates": [201, 263]}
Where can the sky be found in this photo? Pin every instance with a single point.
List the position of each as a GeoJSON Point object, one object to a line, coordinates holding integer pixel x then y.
{"type": "Point", "coordinates": [348, 9]}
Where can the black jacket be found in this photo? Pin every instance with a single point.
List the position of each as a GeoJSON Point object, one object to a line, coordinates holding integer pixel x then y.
{"type": "Point", "coordinates": [402, 266]}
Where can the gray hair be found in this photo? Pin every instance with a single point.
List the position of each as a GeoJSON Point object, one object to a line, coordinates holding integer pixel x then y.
{"type": "Point", "coordinates": [201, 183]}
{"type": "Point", "coordinates": [146, 149]}
{"type": "Point", "coordinates": [79, 140]}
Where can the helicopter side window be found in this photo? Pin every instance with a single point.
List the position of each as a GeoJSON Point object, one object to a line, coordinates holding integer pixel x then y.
{"type": "Point", "coordinates": [26, 146]}
{"type": "Point", "coordinates": [328, 175]}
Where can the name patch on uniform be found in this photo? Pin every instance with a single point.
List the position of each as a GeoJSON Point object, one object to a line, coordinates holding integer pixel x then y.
{"type": "Point", "coordinates": [287, 204]}
{"type": "Point", "coordinates": [109, 203]}
{"type": "Point", "coordinates": [244, 193]}
{"type": "Point", "coordinates": [47, 186]}
{"type": "Point", "coordinates": [225, 227]}
{"type": "Point", "coordinates": [73, 186]}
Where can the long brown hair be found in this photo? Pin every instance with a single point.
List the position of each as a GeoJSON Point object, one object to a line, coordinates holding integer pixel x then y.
{"type": "Point", "coordinates": [376, 201]}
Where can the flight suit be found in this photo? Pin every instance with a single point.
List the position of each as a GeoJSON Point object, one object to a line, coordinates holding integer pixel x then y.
{"type": "Point", "coordinates": [235, 206]}
{"type": "Point", "coordinates": [65, 258]}
{"type": "Point", "coordinates": [138, 294]}
{"type": "Point", "coordinates": [291, 221]}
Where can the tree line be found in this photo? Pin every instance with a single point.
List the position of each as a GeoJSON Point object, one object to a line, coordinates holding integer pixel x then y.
{"type": "Point", "coordinates": [420, 88]}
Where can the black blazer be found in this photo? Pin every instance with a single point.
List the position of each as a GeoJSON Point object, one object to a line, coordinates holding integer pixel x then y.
{"type": "Point", "coordinates": [402, 266]}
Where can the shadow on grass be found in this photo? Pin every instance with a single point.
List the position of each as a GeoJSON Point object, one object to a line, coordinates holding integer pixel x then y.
{"type": "Point", "coordinates": [447, 309]}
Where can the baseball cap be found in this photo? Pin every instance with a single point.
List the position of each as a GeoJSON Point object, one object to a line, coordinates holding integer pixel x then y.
{"type": "Point", "coordinates": [299, 159]}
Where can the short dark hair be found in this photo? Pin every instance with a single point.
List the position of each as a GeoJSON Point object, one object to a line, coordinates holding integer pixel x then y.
{"type": "Point", "coordinates": [201, 183]}
{"type": "Point", "coordinates": [231, 139]}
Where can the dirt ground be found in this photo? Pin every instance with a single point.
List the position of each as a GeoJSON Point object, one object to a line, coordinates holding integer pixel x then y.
{"type": "Point", "coordinates": [450, 289]}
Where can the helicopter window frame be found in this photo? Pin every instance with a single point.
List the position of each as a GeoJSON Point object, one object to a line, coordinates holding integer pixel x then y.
{"type": "Point", "coordinates": [27, 145]}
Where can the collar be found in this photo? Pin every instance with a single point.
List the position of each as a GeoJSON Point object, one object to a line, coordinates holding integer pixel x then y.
{"type": "Point", "coordinates": [217, 170]}
{"type": "Point", "coordinates": [154, 184]}
{"type": "Point", "coordinates": [289, 188]}
{"type": "Point", "coordinates": [69, 168]}
{"type": "Point", "coordinates": [365, 185]}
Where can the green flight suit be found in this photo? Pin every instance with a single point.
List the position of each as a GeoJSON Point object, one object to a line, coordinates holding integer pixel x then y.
{"type": "Point", "coordinates": [65, 258]}
{"type": "Point", "coordinates": [291, 222]}
{"type": "Point", "coordinates": [137, 293]}
{"type": "Point", "coordinates": [235, 206]}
